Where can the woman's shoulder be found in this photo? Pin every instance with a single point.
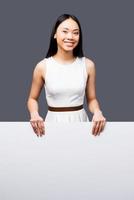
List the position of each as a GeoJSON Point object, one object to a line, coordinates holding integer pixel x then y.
{"type": "Point", "coordinates": [89, 61]}
{"type": "Point", "coordinates": [90, 64]}
{"type": "Point", "coordinates": [40, 64]}
{"type": "Point", "coordinates": [40, 67]}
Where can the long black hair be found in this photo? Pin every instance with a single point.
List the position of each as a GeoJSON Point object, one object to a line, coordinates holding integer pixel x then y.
{"type": "Point", "coordinates": [77, 51]}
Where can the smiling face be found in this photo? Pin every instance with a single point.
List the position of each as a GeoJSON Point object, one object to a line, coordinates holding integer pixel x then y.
{"type": "Point", "coordinates": [67, 35]}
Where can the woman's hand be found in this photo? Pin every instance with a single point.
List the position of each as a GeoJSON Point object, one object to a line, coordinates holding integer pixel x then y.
{"type": "Point", "coordinates": [99, 122]}
{"type": "Point", "coordinates": [37, 124]}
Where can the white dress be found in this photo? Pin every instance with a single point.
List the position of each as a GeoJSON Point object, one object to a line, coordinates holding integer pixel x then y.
{"type": "Point", "coordinates": [65, 87]}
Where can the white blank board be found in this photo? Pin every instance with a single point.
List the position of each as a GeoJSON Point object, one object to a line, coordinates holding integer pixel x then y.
{"type": "Point", "coordinates": [68, 163]}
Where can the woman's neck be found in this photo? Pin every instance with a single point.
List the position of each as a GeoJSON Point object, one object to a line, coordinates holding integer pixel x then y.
{"type": "Point", "coordinates": [62, 55]}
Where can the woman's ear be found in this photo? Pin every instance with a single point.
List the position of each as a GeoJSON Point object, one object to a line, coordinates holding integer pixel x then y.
{"type": "Point", "coordinates": [55, 35]}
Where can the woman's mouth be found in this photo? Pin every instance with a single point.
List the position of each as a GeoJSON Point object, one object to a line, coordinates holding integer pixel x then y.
{"type": "Point", "coordinates": [69, 43]}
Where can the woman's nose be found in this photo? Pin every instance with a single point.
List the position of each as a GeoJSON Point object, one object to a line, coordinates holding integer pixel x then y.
{"type": "Point", "coordinates": [70, 35]}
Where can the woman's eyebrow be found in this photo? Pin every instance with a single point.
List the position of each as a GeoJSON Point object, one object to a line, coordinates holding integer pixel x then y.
{"type": "Point", "coordinates": [68, 28]}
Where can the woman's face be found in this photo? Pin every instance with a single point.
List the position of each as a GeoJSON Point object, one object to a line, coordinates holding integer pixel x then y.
{"type": "Point", "coordinates": [67, 35]}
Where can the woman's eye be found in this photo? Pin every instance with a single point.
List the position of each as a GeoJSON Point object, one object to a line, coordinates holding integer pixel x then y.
{"type": "Point", "coordinates": [65, 31]}
{"type": "Point", "coordinates": [76, 33]}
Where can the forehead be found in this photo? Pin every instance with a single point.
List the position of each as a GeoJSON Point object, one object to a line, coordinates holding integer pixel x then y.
{"type": "Point", "coordinates": [69, 24]}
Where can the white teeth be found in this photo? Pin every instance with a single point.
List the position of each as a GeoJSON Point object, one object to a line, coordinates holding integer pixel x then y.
{"type": "Point", "coordinates": [68, 42]}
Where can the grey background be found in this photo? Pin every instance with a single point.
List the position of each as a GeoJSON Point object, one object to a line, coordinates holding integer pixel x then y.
{"type": "Point", "coordinates": [25, 28]}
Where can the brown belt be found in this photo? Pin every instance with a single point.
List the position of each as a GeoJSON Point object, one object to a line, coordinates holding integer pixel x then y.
{"type": "Point", "coordinates": [65, 108]}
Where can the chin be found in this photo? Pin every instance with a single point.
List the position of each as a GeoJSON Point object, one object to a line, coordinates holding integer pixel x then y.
{"type": "Point", "coordinates": [69, 48]}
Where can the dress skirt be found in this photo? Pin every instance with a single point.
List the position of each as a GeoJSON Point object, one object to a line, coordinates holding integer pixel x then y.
{"type": "Point", "coordinates": [67, 116]}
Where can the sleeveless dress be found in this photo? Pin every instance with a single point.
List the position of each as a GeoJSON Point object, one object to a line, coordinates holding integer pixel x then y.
{"type": "Point", "coordinates": [65, 87]}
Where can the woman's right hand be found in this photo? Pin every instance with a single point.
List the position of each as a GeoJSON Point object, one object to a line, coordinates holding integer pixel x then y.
{"type": "Point", "coordinates": [37, 124]}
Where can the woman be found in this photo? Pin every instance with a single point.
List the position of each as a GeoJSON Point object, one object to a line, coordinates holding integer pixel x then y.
{"type": "Point", "coordinates": [67, 76]}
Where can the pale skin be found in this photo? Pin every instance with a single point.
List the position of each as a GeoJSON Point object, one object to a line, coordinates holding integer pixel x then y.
{"type": "Point", "coordinates": [67, 36]}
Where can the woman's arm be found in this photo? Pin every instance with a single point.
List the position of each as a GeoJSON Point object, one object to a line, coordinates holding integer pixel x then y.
{"type": "Point", "coordinates": [32, 103]}
{"type": "Point", "coordinates": [93, 104]}
{"type": "Point", "coordinates": [36, 87]}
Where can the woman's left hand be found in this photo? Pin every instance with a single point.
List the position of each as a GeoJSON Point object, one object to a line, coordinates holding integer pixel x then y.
{"type": "Point", "coordinates": [99, 122]}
